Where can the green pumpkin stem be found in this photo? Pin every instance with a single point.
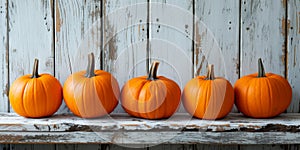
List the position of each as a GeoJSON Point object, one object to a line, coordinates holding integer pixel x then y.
{"type": "Point", "coordinates": [261, 70]}
{"type": "Point", "coordinates": [153, 71]}
{"type": "Point", "coordinates": [90, 71]}
{"type": "Point", "coordinates": [35, 72]}
{"type": "Point", "coordinates": [210, 72]}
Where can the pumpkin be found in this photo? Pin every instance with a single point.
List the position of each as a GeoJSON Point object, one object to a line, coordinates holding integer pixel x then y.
{"type": "Point", "coordinates": [152, 96]}
{"type": "Point", "coordinates": [91, 93]}
{"type": "Point", "coordinates": [35, 95]}
{"type": "Point", "coordinates": [208, 97]}
{"type": "Point", "coordinates": [262, 95]}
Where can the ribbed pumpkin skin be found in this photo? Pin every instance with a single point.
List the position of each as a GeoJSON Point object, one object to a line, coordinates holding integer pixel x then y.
{"type": "Point", "coordinates": [35, 97]}
{"type": "Point", "coordinates": [263, 97]}
{"type": "Point", "coordinates": [208, 99]}
{"type": "Point", "coordinates": [91, 97]}
{"type": "Point", "coordinates": [150, 99]}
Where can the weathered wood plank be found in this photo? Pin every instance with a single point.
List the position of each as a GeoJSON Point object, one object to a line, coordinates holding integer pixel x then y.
{"type": "Point", "coordinates": [30, 36]}
{"type": "Point", "coordinates": [78, 32]}
{"type": "Point", "coordinates": [125, 39]}
{"type": "Point", "coordinates": [263, 35]}
{"type": "Point", "coordinates": [263, 147]}
{"type": "Point", "coordinates": [4, 57]}
{"type": "Point", "coordinates": [235, 122]}
{"type": "Point", "coordinates": [147, 138]}
{"type": "Point", "coordinates": [217, 37]}
{"type": "Point", "coordinates": [4, 147]}
{"type": "Point", "coordinates": [293, 47]}
{"type": "Point", "coordinates": [171, 40]}
{"type": "Point", "coordinates": [65, 146]}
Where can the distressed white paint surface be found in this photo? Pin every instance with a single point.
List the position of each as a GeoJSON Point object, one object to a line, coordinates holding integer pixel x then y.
{"type": "Point", "coordinates": [78, 33]}
{"type": "Point", "coordinates": [122, 123]}
{"type": "Point", "coordinates": [221, 20]}
{"type": "Point", "coordinates": [30, 37]}
{"type": "Point", "coordinates": [171, 38]}
{"type": "Point", "coordinates": [135, 138]}
{"type": "Point", "coordinates": [293, 46]}
{"type": "Point", "coordinates": [263, 35]}
{"type": "Point", "coordinates": [125, 39]}
{"type": "Point", "coordinates": [4, 57]}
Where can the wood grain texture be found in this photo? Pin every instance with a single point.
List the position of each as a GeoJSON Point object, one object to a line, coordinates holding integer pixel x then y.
{"type": "Point", "coordinates": [125, 39]}
{"type": "Point", "coordinates": [30, 37]}
{"type": "Point", "coordinates": [4, 86]}
{"type": "Point", "coordinates": [171, 40]}
{"type": "Point", "coordinates": [293, 48]}
{"type": "Point", "coordinates": [235, 122]}
{"type": "Point", "coordinates": [78, 32]}
{"type": "Point", "coordinates": [263, 35]}
{"type": "Point", "coordinates": [217, 37]}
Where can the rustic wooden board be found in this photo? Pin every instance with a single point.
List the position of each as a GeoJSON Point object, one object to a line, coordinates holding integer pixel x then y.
{"type": "Point", "coordinates": [30, 37]}
{"type": "Point", "coordinates": [217, 37]}
{"type": "Point", "coordinates": [4, 57]}
{"type": "Point", "coordinates": [235, 122]}
{"type": "Point", "coordinates": [263, 35]}
{"type": "Point", "coordinates": [171, 40]}
{"type": "Point", "coordinates": [77, 33]}
{"type": "Point", "coordinates": [293, 48]}
{"type": "Point", "coordinates": [125, 39]}
{"type": "Point", "coordinates": [135, 137]}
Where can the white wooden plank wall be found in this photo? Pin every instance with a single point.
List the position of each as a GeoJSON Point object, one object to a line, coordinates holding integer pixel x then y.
{"type": "Point", "coordinates": [78, 32]}
{"type": "Point", "coordinates": [125, 39]}
{"type": "Point", "coordinates": [3, 56]}
{"type": "Point", "coordinates": [263, 35]}
{"type": "Point", "coordinates": [293, 48]}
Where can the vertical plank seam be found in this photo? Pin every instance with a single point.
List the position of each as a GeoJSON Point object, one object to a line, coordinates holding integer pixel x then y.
{"type": "Point", "coordinates": [54, 34]}
{"type": "Point", "coordinates": [193, 38]}
{"type": "Point", "coordinates": [286, 40]}
{"type": "Point", "coordinates": [102, 35]}
{"type": "Point", "coordinates": [7, 54]}
{"type": "Point", "coordinates": [148, 35]}
{"type": "Point", "coordinates": [240, 24]}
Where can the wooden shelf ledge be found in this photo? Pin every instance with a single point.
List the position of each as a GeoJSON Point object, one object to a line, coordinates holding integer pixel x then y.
{"type": "Point", "coordinates": [123, 129]}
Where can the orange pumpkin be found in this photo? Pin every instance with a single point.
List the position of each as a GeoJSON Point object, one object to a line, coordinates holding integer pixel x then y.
{"type": "Point", "coordinates": [35, 95]}
{"type": "Point", "coordinates": [152, 97]}
{"type": "Point", "coordinates": [208, 97]}
{"type": "Point", "coordinates": [262, 95]}
{"type": "Point", "coordinates": [91, 93]}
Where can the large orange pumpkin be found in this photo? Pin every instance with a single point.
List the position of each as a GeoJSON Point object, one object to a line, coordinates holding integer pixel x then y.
{"type": "Point", "coordinates": [35, 95]}
{"type": "Point", "coordinates": [91, 93]}
{"type": "Point", "coordinates": [152, 97]}
{"type": "Point", "coordinates": [208, 97]}
{"type": "Point", "coordinates": [262, 95]}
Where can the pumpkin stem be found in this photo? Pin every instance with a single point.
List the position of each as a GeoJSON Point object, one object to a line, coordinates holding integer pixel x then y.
{"type": "Point", "coordinates": [210, 72]}
{"type": "Point", "coordinates": [90, 71]}
{"type": "Point", "coordinates": [261, 70]}
{"type": "Point", "coordinates": [35, 73]}
{"type": "Point", "coordinates": [153, 71]}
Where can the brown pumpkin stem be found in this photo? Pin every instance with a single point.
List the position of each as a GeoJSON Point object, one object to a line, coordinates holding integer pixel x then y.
{"type": "Point", "coordinates": [90, 71]}
{"type": "Point", "coordinates": [35, 72]}
{"type": "Point", "coordinates": [261, 70]}
{"type": "Point", "coordinates": [210, 72]}
{"type": "Point", "coordinates": [153, 71]}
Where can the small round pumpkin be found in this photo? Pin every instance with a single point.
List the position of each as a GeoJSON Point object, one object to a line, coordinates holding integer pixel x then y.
{"type": "Point", "coordinates": [35, 95]}
{"type": "Point", "coordinates": [262, 95]}
{"type": "Point", "coordinates": [152, 97]}
{"type": "Point", "coordinates": [91, 93]}
{"type": "Point", "coordinates": [208, 97]}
